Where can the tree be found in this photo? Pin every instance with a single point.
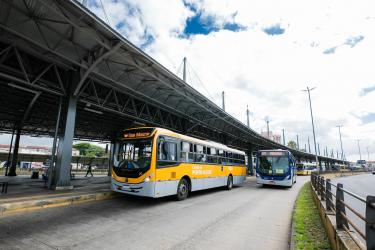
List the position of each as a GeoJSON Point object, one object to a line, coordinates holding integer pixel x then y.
{"type": "Point", "coordinates": [292, 144]}
{"type": "Point", "coordinates": [88, 149]}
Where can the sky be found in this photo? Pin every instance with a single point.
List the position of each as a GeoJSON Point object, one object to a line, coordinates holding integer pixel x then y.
{"type": "Point", "coordinates": [263, 54]}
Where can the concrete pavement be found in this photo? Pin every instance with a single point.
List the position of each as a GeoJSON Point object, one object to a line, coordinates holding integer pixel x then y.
{"type": "Point", "coordinates": [26, 194]}
{"type": "Point", "coordinates": [248, 217]}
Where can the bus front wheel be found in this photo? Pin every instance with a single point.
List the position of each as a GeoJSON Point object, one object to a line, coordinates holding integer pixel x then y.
{"type": "Point", "coordinates": [230, 182]}
{"type": "Point", "coordinates": [182, 190]}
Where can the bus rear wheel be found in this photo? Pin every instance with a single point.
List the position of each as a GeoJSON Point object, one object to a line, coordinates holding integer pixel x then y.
{"type": "Point", "coordinates": [229, 183]}
{"type": "Point", "coordinates": [182, 190]}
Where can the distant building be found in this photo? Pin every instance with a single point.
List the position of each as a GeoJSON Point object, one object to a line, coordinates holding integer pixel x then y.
{"type": "Point", "coordinates": [36, 150]}
{"type": "Point", "coordinates": [33, 150]}
{"type": "Point", "coordinates": [273, 137]}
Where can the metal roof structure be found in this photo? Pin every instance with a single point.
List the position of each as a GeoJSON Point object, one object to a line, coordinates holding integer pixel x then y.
{"type": "Point", "coordinates": [58, 48]}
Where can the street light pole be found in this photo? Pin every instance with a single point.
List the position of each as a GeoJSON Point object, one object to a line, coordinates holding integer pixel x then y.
{"type": "Point", "coordinates": [312, 123]}
{"type": "Point", "coordinates": [184, 70]}
{"type": "Point", "coordinates": [308, 142]}
{"type": "Point", "coordinates": [359, 150]}
{"type": "Point", "coordinates": [248, 116]}
{"type": "Point", "coordinates": [342, 151]}
{"type": "Point", "coordinates": [268, 128]}
{"type": "Point", "coordinates": [223, 100]}
{"type": "Point", "coordinates": [283, 137]}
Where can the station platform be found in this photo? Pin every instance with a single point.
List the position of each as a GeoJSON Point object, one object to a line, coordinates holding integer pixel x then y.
{"type": "Point", "coordinates": [26, 194]}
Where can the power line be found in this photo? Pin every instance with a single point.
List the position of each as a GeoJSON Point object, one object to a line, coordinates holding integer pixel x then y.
{"type": "Point", "coordinates": [105, 13]}
{"type": "Point", "coordinates": [200, 81]}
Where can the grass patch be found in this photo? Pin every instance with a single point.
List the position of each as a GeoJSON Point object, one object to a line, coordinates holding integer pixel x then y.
{"type": "Point", "coordinates": [309, 232]}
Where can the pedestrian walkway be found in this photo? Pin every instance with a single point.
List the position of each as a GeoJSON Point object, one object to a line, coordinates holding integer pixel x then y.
{"type": "Point", "coordinates": [29, 194]}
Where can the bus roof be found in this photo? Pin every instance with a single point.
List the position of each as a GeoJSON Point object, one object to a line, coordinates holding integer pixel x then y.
{"type": "Point", "coordinates": [273, 150]}
{"type": "Point", "coordinates": [168, 132]}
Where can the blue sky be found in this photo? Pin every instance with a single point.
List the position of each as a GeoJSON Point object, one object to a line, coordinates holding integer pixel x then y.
{"type": "Point", "coordinates": [203, 25]}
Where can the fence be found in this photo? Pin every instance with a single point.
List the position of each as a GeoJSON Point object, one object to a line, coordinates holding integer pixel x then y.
{"type": "Point", "coordinates": [335, 203]}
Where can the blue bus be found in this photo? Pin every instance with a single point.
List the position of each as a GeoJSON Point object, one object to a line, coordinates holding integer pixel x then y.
{"type": "Point", "coordinates": [276, 167]}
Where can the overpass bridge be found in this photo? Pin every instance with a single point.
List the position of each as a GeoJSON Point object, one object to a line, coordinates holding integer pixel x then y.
{"type": "Point", "coordinates": [64, 73]}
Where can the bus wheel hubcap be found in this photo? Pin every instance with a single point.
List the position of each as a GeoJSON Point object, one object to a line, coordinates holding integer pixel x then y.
{"type": "Point", "coordinates": [182, 189]}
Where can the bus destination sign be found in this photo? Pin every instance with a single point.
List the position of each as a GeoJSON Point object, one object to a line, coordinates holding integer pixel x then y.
{"type": "Point", "coordinates": [137, 133]}
{"type": "Point", "coordinates": [274, 153]}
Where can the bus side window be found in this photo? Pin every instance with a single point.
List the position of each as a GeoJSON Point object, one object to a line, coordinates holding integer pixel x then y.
{"type": "Point", "coordinates": [220, 154]}
{"type": "Point", "coordinates": [199, 155]}
{"type": "Point", "coordinates": [211, 155]}
{"type": "Point", "coordinates": [185, 149]}
{"type": "Point", "coordinates": [162, 147]}
{"type": "Point", "coordinates": [172, 151]}
{"type": "Point", "coordinates": [167, 153]}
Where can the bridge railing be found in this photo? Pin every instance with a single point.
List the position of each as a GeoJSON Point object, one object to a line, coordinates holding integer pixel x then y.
{"type": "Point", "coordinates": [333, 196]}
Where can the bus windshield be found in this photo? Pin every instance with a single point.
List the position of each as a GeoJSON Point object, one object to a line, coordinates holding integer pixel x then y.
{"type": "Point", "coordinates": [272, 165]}
{"type": "Point", "coordinates": [134, 155]}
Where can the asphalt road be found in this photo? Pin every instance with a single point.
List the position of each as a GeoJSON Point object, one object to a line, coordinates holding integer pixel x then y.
{"type": "Point", "coordinates": [361, 185]}
{"type": "Point", "coordinates": [247, 217]}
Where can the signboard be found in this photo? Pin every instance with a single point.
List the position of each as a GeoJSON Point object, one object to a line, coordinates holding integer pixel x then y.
{"type": "Point", "coordinates": [361, 161]}
{"type": "Point", "coordinates": [137, 133]}
{"type": "Point", "coordinates": [273, 153]}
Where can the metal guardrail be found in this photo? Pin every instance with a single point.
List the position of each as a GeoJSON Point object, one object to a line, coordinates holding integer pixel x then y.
{"type": "Point", "coordinates": [337, 206]}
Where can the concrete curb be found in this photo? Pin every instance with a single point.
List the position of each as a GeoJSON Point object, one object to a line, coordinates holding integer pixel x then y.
{"type": "Point", "coordinates": [24, 206]}
{"type": "Point", "coordinates": [340, 240]}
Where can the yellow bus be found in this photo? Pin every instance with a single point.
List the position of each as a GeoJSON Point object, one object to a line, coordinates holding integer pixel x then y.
{"type": "Point", "coordinates": [306, 168]}
{"type": "Point", "coordinates": [157, 162]}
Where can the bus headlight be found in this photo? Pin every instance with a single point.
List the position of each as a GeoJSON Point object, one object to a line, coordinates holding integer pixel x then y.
{"type": "Point", "coordinates": [288, 177]}
{"type": "Point", "coordinates": [257, 175]}
{"type": "Point", "coordinates": [147, 179]}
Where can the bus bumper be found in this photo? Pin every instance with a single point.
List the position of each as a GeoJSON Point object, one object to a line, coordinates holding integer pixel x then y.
{"type": "Point", "coordinates": [140, 189]}
{"type": "Point", "coordinates": [286, 183]}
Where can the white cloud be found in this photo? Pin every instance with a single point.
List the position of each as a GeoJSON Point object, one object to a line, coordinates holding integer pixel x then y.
{"type": "Point", "coordinates": [269, 72]}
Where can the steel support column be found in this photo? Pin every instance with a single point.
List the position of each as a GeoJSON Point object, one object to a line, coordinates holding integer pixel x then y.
{"type": "Point", "coordinates": [320, 165]}
{"type": "Point", "coordinates": [13, 166]}
{"type": "Point", "coordinates": [12, 169]}
{"type": "Point", "coordinates": [250, 160]}
{"type": "Point", "coordinates": [64, 153]}
{"type": "Point", "coordinates": [51, 171]}
{"type": "Point", "coordinates": [10, 151]}
{"type": "Point", "coordinates": [111, 157]}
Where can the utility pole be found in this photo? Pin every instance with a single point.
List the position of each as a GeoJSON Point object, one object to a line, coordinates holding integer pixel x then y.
{"type": "Point", "coordinates": [297, 142]}
{"type": "Point", "coordinates": [327, 152]}
{"type": "Point", "coordinates": [223, 93]}
{"type": "Point", "coordinates": [184, 70]}
{"type": "Point", "coordinates": [268, 127]}
{"type": "Point", "coordinates": [318, 149]}
{"type": "Point", "coordinates": [368, 154]}
{"type": "Point", "coordinates": [342, 151]}
{"type": "Point", "coordinates": [248, 116]}
{"type": "Point", "coordinates": [359, 150]}
{"type": "Point", "coordinates": [305, 148]}
{"type": "Point", "coordinates": [283, 137]}
{"type": "Point", "coordinates": [312, 123]}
